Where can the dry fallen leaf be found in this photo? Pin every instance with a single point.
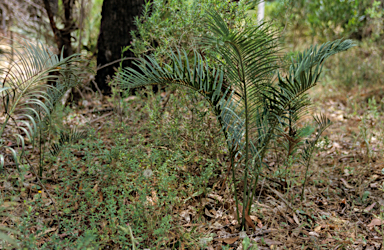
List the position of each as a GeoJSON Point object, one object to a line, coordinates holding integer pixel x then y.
{"type": "Point", "coordinates": [101, 199]}
{"type": "Point", "coordinates": [185, 215]}
{"type": "Point", "coordinates": [374, 222]}
{"type": "Point", "coordinates": [296, 219]}
{"type": "Point", "coordinates": [272, 242]}
{"type": "Point", "coordinates": [314, 234]}
{"type": "Point", "coordinates": [215, 196]}
{"type": "Point", "coordinates": [207, 213]}
{"type": "Point", "coordinates": [154, 196]}
{"type": "Point", "coordinates": [248, 219]}
{"type": "Point", "coordinates": [346, 184]}
{"type": "Point", "coordinates": [369, 208]}
{"type": "Point", "coordinates": [318, 229]}
{"type": "Point", "coordinates": [255, 218]}
{"type": "Point", "coordinates": [231, 240]}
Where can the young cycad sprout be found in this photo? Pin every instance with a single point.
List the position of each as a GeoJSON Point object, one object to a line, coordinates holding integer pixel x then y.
{"type": "Point", "coordinates": [27, 101]}
{"type": "Point", "coordinates": [251, 109]}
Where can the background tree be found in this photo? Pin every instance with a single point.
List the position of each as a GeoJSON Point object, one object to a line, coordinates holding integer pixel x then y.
{"type": "Point", "coordinates": [62, 36]}
{"type": "Point", "coordinates": [117, 22]}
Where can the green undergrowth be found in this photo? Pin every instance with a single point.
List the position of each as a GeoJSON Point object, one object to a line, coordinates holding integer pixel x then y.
{"type": "Point", "coordinates": [360, 68]}
{"type": "Point", "coordinates": [136, 173]}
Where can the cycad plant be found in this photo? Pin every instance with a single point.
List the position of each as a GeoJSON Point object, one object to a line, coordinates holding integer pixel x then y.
{"type": "Point", "coordinates": [251, 108]}
{"type": "Point", "coordinates": [27, 101]}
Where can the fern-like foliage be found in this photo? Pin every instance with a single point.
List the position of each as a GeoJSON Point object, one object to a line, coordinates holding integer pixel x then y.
{"type": "Point", "coordinates": [322, 124]}
{"type": "Point", "coordinates": [195, 73]}
{"type": "Point", "coordinates": [26, 100]}
{"type": "Point", "coordinates": [288, 101]}
{"type": "Point", "coordinates": [65, 139]}
{"type": "Point", "coordinates": [251, 108]}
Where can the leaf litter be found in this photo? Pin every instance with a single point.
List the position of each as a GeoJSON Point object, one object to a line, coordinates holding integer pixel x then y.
{"type": "Point", "coordinates": [343, 205]}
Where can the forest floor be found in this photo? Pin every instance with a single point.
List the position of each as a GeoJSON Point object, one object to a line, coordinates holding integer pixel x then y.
{"type": "Point", "coordinates": [153, 172]}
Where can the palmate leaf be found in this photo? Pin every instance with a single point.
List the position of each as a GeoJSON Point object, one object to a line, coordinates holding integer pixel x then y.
{"type": "Point", "coordinates": [26, 99]}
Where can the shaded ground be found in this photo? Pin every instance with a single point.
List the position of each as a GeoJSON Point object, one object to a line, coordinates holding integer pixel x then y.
{"type": "Point", "coordinates": [158, 166]}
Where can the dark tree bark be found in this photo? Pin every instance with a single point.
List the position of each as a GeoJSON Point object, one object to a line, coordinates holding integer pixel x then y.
{"type": "Point", "coordinates": [117, 21]}
{"type": "Point", "coordinates": [62, 36]}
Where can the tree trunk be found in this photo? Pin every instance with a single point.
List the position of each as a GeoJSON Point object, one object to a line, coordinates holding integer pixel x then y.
{"type": "Point", "coordinates": [117, 21]}
{"type": "Point", "coordinates": [62, 36]}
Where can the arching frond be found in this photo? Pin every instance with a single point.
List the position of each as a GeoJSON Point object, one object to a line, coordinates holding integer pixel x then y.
{"type": "Point", "coordinates": [288, 100]}
{"type": "Point", "coordinates": [250, 108]}
{"type": "Point", "coordinates": [197, 75]}
{"type": "Point", "coordinates": [26, 98]}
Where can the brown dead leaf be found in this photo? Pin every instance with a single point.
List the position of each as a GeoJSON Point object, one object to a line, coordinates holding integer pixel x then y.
{"type": "Point", "coordinates": [255, 218]}
{"type": "Point", "coordinates": [207, 213]}
{"type": "Point", "coordinates": [216, 197]}
{"type": "Point", "coordinates": [248, 219]}
{"type": "Point", "coordinates": [154, 196]}
{"type": "Point", "coordinates": [314, 234]}
{"type": "Point", "coordinates": [130, 98]}
{"type": "Point", "coordinates": [373, 178]}
{"type": "Point", "coordinates": [296, 219]}
{"type": "Point", "coordinates": [96, 187]}
{"type": "Point", "coordinates": [318, 229]}
{"type": "Point", "coordinates": [369, 208]}
{"type": "Point", "coordinates": [150, 200]}
{"type": "Point", "coordinates": [328, 240]}
{"type": "Point", "coordinates": [296, 232]}
{"type": "Point", "coordinates": [101, 198]}
{"type": "Point", "coordinates": [231, 240]}
{"type": "Point", "coordinates": [9, 204]}
{"type": "Point", "coordinates": [185, 215]}
{"type": "Point", "coordinates": [270, 242]}
{"type": "Point", "coordinates": [374, 185]}
{"type": "Point", "coordinates": [346, 184]}
{"type": "Point", "coordinates": [374, 222]}
{"type": "Point", "coordinates": [47, 231]}
{"type": "Point", "coordinates": [289, 219]}
{"type": "Point", "coordinates": [76, 206]}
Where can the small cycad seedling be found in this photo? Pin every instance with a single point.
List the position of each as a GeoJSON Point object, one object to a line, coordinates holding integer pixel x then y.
{"type": "Point", "coordinates": [27, 101]}
{"type": "Point", "coordinates": [65, 139]}
{"type": "Point", "coordinates": [251, 109]}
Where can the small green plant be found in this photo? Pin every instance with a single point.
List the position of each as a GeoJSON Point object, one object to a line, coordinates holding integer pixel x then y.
{"type": "Point", "coordinates": [251, 110]}
{"type": "Point", "coordinates": [247, 245]}
{"type": "Point", "coordinates": [27, 100]}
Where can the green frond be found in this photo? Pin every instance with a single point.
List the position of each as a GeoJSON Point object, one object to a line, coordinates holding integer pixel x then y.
{"type": "Point", "coordinates": [251, 109]}
{"type": "Point", "coordinates": [26, 98]}
{"type": "Point", "coordinates": [249, 56]}
{"type": "Point", "coordinates": [322, 124]}
{"type": "Point", "coordinates": [198, 75]}
{"type": "Point", "coordinates": [288, 101]}
{"type": "Point", "coordinates": [65, 139]}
